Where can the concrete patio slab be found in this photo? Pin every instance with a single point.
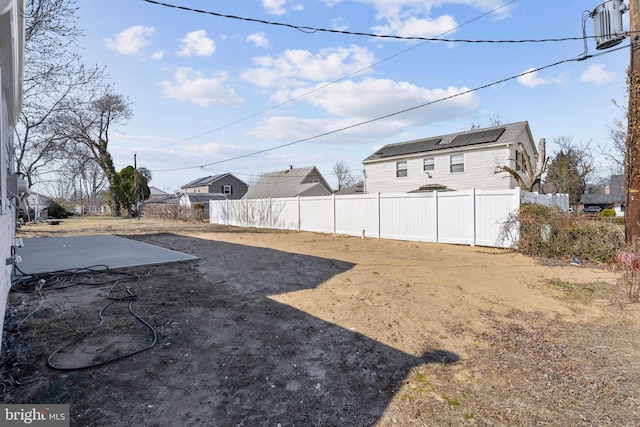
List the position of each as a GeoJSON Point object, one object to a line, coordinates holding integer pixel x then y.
{"type": "Point", "coordinates": [49, 254]}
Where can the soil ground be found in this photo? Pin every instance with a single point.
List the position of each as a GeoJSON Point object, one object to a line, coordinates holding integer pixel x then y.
{"type": "Point", "coordinates": [276, 328]}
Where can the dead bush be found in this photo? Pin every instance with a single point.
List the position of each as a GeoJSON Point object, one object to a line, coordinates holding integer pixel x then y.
{"type": "Point", "coordinates": [174, 211]}
{"type": "Point", "coordinates": [167, 211]}
{"type": "Point", "coordinates": [550, 232]}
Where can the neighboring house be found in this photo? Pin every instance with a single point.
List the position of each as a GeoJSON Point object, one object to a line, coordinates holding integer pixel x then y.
{"type": "Point", "coordinates": [357, 188]}
{"type": "Point", "coordinates": [155, 193]}
{"type": "Point", "coordinates": [164, 200]}
{"type": "Point", "coordinates": [34, 199]}
{"type": "Point", "coordinates": [11, 186]}
{"type": "Point", "coordinates": [303, 182]}
{"type": "Point", "coordinates": [613, 196]}
{"type": "Point", "coordinates": [225, 183]}
{"type": "Point", "coordinates": [192, 200]}
{"type": "Point", "coordinates": [456, 161]}
{"type": "Point", "coordinates": [38, 204]}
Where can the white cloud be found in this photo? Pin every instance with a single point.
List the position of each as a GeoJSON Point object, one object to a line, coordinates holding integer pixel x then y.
{"type": "Point", "coordinates": [197, 43]}
{"type": "Point", "coordinates": [258, 39]}
{"type": "Point", "coordinates": [339, 24]}
{"type": "Point", "coordinates": [418, 27]}
{"type": "Point", "coordinates": [294, 67]}
{"type": "Point", "coordinates": [157, 55]}
{"type": "Point", "coordinates": [193, 86]}
{"type": "Point", "coordinates": [274, 7]}
{"type": "Point", "coordinates": [531, 79]}
{"type": "Point", "coordinates": [131, 41]}
{"type": "Point", "coordinates": [372, 97]}
{"type": "Point", "coordinates": [356, 102]}
{"type": "Point", "coordinates": [597, 74]}
{"type": "Point", "coordinates": [417, 18]}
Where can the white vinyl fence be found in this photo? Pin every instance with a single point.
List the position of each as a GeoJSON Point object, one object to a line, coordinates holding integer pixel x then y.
{"type": "Point", "coordinates": [471, 217]}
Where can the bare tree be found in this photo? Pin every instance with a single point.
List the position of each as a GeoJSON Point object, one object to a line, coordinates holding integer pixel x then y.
{"type": "Point", "coordinates": [570, 167]}
{"type": "Point", "coordinates": [53, 73]}
{"type": "Point", "coordinates": [89, 124]}
{"type": "Point", "coordinates": [82, 169]}
{"type": "Point", "coordinates": [253, 179]}
{"type": "Point", "coordinates": [525, 164]}
{"type": "Point", "coordinates": [494, 120]}
{"type": "Point", "coordinates": [346, 178]}
{"type": "Point", "coordinates": [616, 152]}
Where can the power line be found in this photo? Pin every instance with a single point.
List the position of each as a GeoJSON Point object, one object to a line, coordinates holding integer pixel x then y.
{"type": "Point", "coordinates": [323, 86]}
{"type": "Point", "coordinates": [386, 116]}
{"type": "Point", "coordinates": [311, 30]}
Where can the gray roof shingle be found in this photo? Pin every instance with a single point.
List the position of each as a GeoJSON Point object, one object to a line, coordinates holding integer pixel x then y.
{"type": "Point", "coordinates": [204, 197]}
{"type": "Point", "coordinates": [287, 183]}
{"type": "Point", "coordinates": [207, 180]}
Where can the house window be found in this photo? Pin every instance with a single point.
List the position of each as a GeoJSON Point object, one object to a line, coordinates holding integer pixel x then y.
{"type": "Point", "coordinates": [456, 163]}
{"type": "Point", "coordinates": [226, 189]}
{"type": "Point", "coordinates": [429, 164]}
{"type": "Point", "coordinates": [519, 161]}
{"type": "Point", "coordinates": [401, 169]}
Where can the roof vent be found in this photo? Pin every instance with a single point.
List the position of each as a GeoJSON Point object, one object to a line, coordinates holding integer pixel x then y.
{"type": "Point", "coordinates": [607, 23]}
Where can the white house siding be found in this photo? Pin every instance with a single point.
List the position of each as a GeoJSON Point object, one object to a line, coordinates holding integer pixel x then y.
{"type": "Point", "coordinates": [479, 164]}
{"type": "Point", "coordinates": [7, 230]}
{"type": "Point", "coordinates": [11, 57]}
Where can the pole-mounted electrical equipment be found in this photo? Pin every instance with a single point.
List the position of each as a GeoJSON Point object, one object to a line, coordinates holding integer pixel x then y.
{"type": "Point", "coordinates": [607, 23]}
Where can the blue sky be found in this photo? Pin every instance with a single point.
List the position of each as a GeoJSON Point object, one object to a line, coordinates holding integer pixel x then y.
{"type": "Point", "coordinates": [206, 89]}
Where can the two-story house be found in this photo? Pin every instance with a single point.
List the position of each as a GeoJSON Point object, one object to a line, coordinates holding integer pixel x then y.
{"type": "Point", "coordinates": [227, 184]}
{"type": "Point", "coordinates": [456, 161]}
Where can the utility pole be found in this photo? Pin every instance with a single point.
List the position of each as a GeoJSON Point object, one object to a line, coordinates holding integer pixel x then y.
{"type": "Point", "coordinates": [632, 155]}
{"type": "Point", "coordinates": [135, 183]}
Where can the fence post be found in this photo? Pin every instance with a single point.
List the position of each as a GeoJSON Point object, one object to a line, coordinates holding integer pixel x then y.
{"type": "Point", "coordinates": [379, 216]}
{"type": "Point", "coordinates": [473, 218]}
{"type": "Point", "coordinates": [246, 214]}
{"type": "Point", "coordinates": [333, 228]}
{"type": "Point", "coordinates": [270, 215]}
{"type": "Point", "coordinates": [299, 215]}
{"type": "Point", "coordinates": [436, 215]}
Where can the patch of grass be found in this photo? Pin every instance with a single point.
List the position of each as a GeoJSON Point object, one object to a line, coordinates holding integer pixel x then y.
{"type": "Point", "coordinates": [452, 402]}
{"type": "Point", "coordinates": [584, 293]}
{"type": "Point", "coordinates": [417, 386]}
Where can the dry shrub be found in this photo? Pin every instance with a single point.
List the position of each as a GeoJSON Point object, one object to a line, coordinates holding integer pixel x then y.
{"type": "Point", "coordinates": [174, 211]}
{"type": "Point", "coordinates": [162, 211]}
{"type": "Point", "coordinates": [550, 232]}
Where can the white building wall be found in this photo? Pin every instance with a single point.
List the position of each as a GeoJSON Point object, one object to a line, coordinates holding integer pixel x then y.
{"type": "Point", "coordinates": [11, 57]}
{"type": "Point", "coordinates": [480, 165]}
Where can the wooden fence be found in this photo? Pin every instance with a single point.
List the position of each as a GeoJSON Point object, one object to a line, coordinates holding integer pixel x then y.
{"type": "Point", "coordinates": [470, 217]}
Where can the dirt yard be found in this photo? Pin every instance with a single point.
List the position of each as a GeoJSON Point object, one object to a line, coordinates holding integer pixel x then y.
{"type": "Point", "coordinates": [301, 329]}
